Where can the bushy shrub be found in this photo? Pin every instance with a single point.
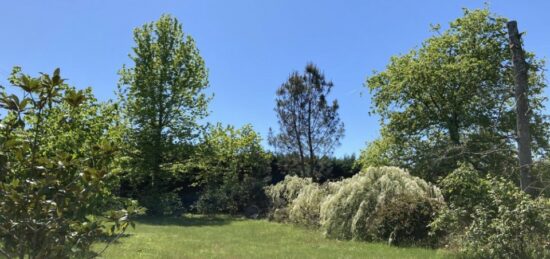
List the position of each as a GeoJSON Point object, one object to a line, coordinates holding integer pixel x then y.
{"type": "Point", "coordinates": [306, 208]}
{"type": "Point", "coordinates": [464, 187]}
{"type": "Point", "coordinates": [281, 195]}
{"type": "Point", "coordinates": [212, 200]}
{"type": "Point", "coordinates": [56, 170]}
{"type": "Point", "coordinates": [517, 231]}
{"type": "Point", "coordinates": [233, 196]}
{"type": "Point", "coordinates": [490, 217]}
{"type": "Point", "coordinates": [166, 204]}
{"type": "Point", "coordinates": [384, 203]}
{"type": "Point", "coordinates": [232, 169]}
{"type": "Point", "coordinates": [464, 190]}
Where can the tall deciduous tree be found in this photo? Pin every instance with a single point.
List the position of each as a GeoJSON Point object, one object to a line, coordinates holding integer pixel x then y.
{"type": "Point", "coordinates": [310, 126]}
{"type": "Point", "coordinates": [452, 100]}
{"type": "Point", "coordinates": [163, 95]}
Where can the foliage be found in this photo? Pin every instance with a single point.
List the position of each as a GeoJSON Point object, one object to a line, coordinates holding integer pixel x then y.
{"type": "Point", "coordinates": [337, 168]}
{"type": "Point", "coordinates": [464, 188]}
{"type": "Point", "coordinates": [541, 171]}
{"type": "Point", "coordinates": [298, 200]}
{"type": "Point", "coordinates": [56, 159]}
{"type": "Point", "coordinates": [384, 203]}
{"type": "Point", "coordinates": [381, 152]}
{"type": "Point", "coordinates": [282, 194]}
{"type": "Point", "coordinates": [306, 208]}
{"type": "Point", "coordinates": [232, 167]}
{"type": "Point", "coordinates": [489, 217]}
{"type": "Point", "coordinates": [163, 203]}
{"type": "Point", "coordinates": [379, 204]}
{"type": "Point", "coordinates": [310, 127]}
{"type": "Point", "coordinates": [214, 200]}
{"type": "Point", "coordinates": [163, 100]}
{"type": "Point", "coordinates": [329, 168]}
{"type": "Point", "coordinates": [451, 101]}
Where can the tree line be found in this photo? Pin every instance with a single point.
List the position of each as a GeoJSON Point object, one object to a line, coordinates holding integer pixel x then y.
{"type": "Point", "coordinates": [70, 163]}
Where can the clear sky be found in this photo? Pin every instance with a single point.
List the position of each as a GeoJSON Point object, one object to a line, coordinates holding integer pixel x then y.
{"type": "Point", "coordinates": [250, 47]}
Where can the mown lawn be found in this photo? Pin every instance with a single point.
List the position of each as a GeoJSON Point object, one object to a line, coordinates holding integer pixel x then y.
{"type": "Point", "coordinates": [227, 237]}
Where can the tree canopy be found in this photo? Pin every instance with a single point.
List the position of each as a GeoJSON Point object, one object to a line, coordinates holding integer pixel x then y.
{"type": "Point", "coordinates": [452, 100]}
{"type": "Point", "coordinates": [309, 124]}
{"type": "Point", "coordinates": [163, 98]}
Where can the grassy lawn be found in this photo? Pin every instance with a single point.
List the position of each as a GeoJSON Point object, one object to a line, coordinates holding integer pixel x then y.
{"type": "Point", "coordinates": [226, 237]}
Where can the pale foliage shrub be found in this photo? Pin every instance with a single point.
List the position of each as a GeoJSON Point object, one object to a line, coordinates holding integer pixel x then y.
{"type": "Point", "coordinates": [305, 209]}
{"type": "Point", "coordinates": [383, 203]}
{"type": "Point", "coordinates": [298, 200]}
{"type": "Point", "coordinates": [282, 194]}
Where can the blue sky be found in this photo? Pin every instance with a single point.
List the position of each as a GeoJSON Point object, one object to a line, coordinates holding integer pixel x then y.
{"type": "Point", "coordinates": [250, 47]}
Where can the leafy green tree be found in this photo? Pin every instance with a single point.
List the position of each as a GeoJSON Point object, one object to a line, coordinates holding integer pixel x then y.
{"type": "Point", "coordinates": [56, 179]}
{"type": "Point", "coordinates": [310, 127]}
{"type": "Point", "coordinates": [381, 152]}
{"type": "Point", "coordinates": [163, 99]}
{"type": "Point", "coordinates": [232, 169]}
{"type": "Point", "coordinates": [451, 100]}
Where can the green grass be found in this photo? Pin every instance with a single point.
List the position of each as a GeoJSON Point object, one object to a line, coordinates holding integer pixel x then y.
{"type": "Point", "coordinates": [227, 237]}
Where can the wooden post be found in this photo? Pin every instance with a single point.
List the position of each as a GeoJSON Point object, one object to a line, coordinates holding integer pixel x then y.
{"type": "Point", "coordinates": [522, 108]}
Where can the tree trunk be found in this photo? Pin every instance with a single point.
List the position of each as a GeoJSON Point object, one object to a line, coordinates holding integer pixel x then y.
{"type": "Point", "coordinates": [522, 108]}
{"type": "Point", "coordinates": [300, 148]}
{"type": "Point", "coordinates": [312, 161]}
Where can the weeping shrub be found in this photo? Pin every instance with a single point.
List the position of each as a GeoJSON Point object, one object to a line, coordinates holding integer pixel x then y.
{"type": "Point", "coordinates": [306, 208]}
{"type": "Point", "coordinates": [282, 194]}
{"type": "Point", "coordinates": [384, 203]}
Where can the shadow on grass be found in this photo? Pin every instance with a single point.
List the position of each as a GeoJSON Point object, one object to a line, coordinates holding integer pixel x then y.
{"type": "Point", "coordinates": [104, 238]}
{"type": "Point", "coordinates": [188, 220]}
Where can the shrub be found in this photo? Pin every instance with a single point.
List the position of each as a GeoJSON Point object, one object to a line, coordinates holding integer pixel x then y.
{"type": "Point", "coordinates": [494, 218]}
{"type": "Point", "coordinates": [464, 190]}
{"type": "Point", "coordinates": [518, 231]}
{"type": "Point", "coordinates": [306, 208]}
{"type": "Point", "coordinates": [233, 169]}
{"type": "Point", "coordinates": [283, 194]}
{"type": "Point", "coordinates": [56, 177]}
{"type": "Point", "coordinates": [213, 200]}
{"type": "Point", "coordinates": [384, 203]}
{"type": "Point", "coordinates": [160, 203]}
